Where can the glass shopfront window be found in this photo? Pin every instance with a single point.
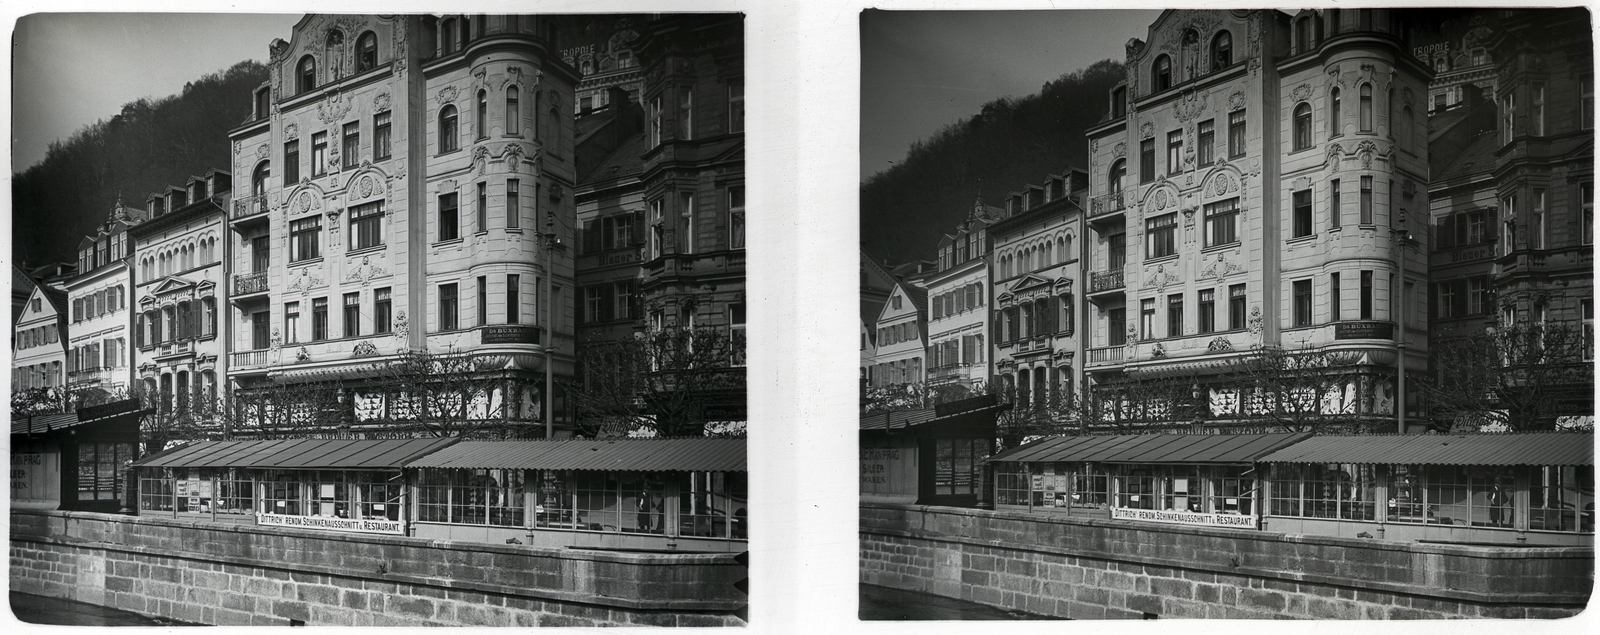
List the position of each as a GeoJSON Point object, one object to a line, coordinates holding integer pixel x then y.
{"type": "Point", "coordinates": [281, 492]}
{"type": "Point", "coordinates": [155, 490]}
{"type": "Point", "coordinates": [1136, 489]}
{"type": "Point", "coordinates": [1181, 489]}
{"type": "Point", "coordinates": [1325, 490]}
{"type": "Point", "coordinates": [1561, 498]}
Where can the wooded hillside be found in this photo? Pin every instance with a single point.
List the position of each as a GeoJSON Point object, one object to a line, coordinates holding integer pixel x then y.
{"type": "Point", "coordinates": [149, 145]}
{"type": "Point", "coordinates": [1011, 143]}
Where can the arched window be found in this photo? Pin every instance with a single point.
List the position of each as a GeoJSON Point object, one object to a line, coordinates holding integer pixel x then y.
{"type": "Point", "coordinates": [1161, 74]}
{"type": "Point", "coordinates": [513, 111]}
{"type": "Point", "coordinates": [482, 123]}
{"type": "Point", "coordinates": [1049, 254]}
{"type": "Point", "coordinates": [1302, 126]}
{"type": "Point", "coordinates": [366, 52]}
{"type": "Point", "coordinates": [1366, 107]}
{"type": "Point", "coordinates": [1333, 113]}
{"type": "Point", "coordinates": [1119, 173]}
{"type": "Point", "coordinates": [306, 75]}
{"type": "Point", "coordinates": [258, 184]}
{"type": "Point", "coordinates": [448, 132]}
{"type": "Point", "coordinates": [1221, 51]}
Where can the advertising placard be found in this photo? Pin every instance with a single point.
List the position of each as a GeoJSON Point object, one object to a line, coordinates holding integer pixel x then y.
{"type": "Point", "coordinates": [1184, 518]}
{"type": "Point", "coordinates": [327, 523]}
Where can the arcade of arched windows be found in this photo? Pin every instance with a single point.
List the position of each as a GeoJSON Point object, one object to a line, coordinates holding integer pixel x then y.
{"type": "Point", "coordinates": [1040, 387]}
{"type": "Point", "coordinates": [1036, 254]}
{"type": "Point", "coordinates": [186, 255]}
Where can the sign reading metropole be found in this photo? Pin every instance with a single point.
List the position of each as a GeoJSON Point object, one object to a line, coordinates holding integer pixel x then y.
{"type": "Point", "coordinates": [328, 523]}
{"type": "Point", "coordinates": [1184, 518]}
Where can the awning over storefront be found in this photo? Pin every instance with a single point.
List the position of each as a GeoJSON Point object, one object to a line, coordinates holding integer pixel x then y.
{"type": "Point", "coordinates": [621, 455]}
{"type": "Point", "coordinates": [311, 454]}
{"type": "Point", "coordinates": [897, 420]}
{"type": "Point", "coordinates": [1153, 448]}
{"type": "Point", "coordinates": [1539, 448]}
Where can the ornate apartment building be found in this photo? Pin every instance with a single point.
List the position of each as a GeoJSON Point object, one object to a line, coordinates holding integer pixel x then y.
{"type": "Point", "coordinates": [409, 188]}
{"type": "Point", "coordinates": [958, 303]}
{"type": "Point", "coordinates": [179, 283]}
{"type": "Point", "coordinates": [1036, 282]}
{"type": "Point", "coordinates": [1261, 182]}
{"type": "Point", "coordinates": [100, 296]}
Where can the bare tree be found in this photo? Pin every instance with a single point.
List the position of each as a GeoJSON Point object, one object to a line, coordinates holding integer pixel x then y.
{"type": "Point", "coordinates": [670, 382]}
{"type": "Point", "coordinates": [1519, 378]}
{"type": "Point", "coordinates": [1306, 390]}
{"type": "Point", "coordinates": [448, 395]}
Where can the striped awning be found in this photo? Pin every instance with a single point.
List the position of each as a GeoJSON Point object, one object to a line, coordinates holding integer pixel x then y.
{"type": "Point", "coordinates": [1152, 448]}
{"type": "Point", "coordinates": [1537, 448]}
{"type": "Point", "coordinates": [621, 455]}
{"type": "Point", "coordinates": [310, 454]}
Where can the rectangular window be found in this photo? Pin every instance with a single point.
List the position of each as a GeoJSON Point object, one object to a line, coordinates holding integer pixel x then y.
{"type": "Point", "coordinates": [1366, 200]}
{"type": "Point", "coordinates": [1117, 323]}
{"type": "Point", "coordinates": [1235, 134]}
{"type": "Point", "coordinates": [1334, 206]}
{"type": "Point", "coordinates": [380, 137]}
{"type": "Point", "coordinates": [382, 306]}
{"type": "Point", "coordinates": [1208, 310]}
{"type": "Point", "coordinates": [1302, 303]}
{"type": "Point", "coordinates": [736, 217]}
{"type": "Point", "coordinates": [448, 311]}
{"type": "Point", "coordinates": [655, 122]}
{"type": "Point", "coordinates": [593, 301]}
{"type": "Point", "coordinates": [319, 319]}
{"type": "Point", "coordinates": [1174, 152]}
{"type": "Point", "coordinates": [291, 163]}
{"type": "Point", "coordinates": [1160, 236]}
{"type": "Point", "coordinates": [319, 154]}
{"type": "Point", "coordinates": [1536, 114]}
{"type": "Point", "coordinates": [304, 238]}
{"type": "Point", "coordinates": [350, 149]}
{"type": "Point", "coordinates": [736, 335]}
{"type": "Point", "coordinates": [366, 225]}
{"type": "Point", "coordinates": [1220, 221]}
{"type": "Point", "coordinates": [483, 206]}
{"type": "Point", "coordinates": [291, 323]}
{"type": "Point", "coordinates": [449, 222]}
{"type": "Point", "coordinates": [1447, 300]}
{"type": "Point", "coordinates": [686, 229]}
{"type": "Point", "coordinates": [1536, 225]}
{"type": "Point", "coordinates": [1236, 297]}
{"type": "Point", "coordinates": [513, 203]}
{"type": "Point", "coordinates": [513, 298]}
{"type": "Point", "coordinates": [1116, 251]}
{"type": "Point", "coordinates": [1147, 161]}
{"type": "Point", "coordinates": [260, 330]}
{"type": "Point", "coordinates": [1302, 213]}
{"type": "Point", "coordinates": [1147, 318]}
{"type": "Point", "coordinates": [685, 113]}
{"type": "Point", "coordinates": [352, 314]}
{"type": "Point", "coordinates": [1477, 301]}
{"type": "Point", "coordinates": [736, 106]}
{"type": "Point", "coordinates": [1206, 145]}
{"type": "Point", "coordinates": [1509, 244]}
{"type": "Point", "coordinates": [1508, 118]}
{"type": "Point", "coordinates": [1366, 295]}
{"type": "Point", "coordinates": [483, 300]}
{"type": "Point", "coordinates": [1175, 315]}
{"type": "Point", "coordinates": [1333, 296]}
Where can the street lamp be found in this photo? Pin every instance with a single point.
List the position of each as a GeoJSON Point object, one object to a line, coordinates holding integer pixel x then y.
{"type": "Point", "coordinates": [549, 242]}
{"type": "Point", "coordinates": [1402, 240]}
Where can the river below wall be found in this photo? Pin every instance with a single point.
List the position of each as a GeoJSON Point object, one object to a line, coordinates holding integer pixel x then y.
{"type": "Point", "coordinates": [884, 603]}
{"type": "Point", "coordinates": [38, 609]}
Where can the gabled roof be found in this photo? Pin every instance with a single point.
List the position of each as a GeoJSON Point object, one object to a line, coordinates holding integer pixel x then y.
{"type": "Point", "coordinates": [1025, 281]}
{"type": "Point", "coordinates": [625, 161]}
{"type": "Point", "coordinates": [1476, 158]}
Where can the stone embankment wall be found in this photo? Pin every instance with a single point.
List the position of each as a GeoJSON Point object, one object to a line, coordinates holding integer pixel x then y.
{"type": "Point", "coordinates": [1099, 569]}
{"type": "Point", "coordinates": [247, 575]}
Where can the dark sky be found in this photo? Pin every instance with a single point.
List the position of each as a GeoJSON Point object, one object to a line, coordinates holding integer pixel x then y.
{"type": "Point", "coordinates": [73, 69]}
{"type": "Point", "coordinates": [921, 70]}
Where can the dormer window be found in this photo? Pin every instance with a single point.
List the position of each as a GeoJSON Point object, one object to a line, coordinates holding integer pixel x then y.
{"type": "Point", "coordinates": [1161, 74]}
{"type": "Point", "coordinates": [306, 75]}
{"type": "Point", "coordinates": [263, 102]}
{"type": "Point", "coordinates": [1119, 102]}
{"type": "Point", "coordinates": [1302, 35]}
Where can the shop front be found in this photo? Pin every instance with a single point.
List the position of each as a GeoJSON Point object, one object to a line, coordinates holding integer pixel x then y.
{"type": "Point", "coordinates": [77, 460]}
{"type": "Point", "coordinates": [683, 494]}
{"type": "Point", "coordinates": [928, 456]}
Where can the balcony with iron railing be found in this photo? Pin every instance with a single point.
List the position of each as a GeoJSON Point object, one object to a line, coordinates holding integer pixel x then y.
{"type": "Point", "coordinates": [249, 283]}
{"type": "Point", "coordinates": [1107, 204]}
{"type": "Point", "coordinates": [1106, 355]}
{"type": "Point", "coordinates": [247, 359]}
{"type": "Point", "coordinates": [1103, 281]}
{"type": "Point", "coordinates": [249, 206]}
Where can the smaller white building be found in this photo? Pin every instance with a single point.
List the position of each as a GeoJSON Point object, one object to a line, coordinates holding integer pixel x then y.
{"type": "Point", "coordinates": [39, 350]}
{"type": "Point", "coordinates": [958, 300]}
{"type": "Point", "coordinates": [902, 337]}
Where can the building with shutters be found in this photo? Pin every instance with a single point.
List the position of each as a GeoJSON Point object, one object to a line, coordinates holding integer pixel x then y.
{"type": "Point", "coordinates": [902, 342]}
{"type": "Point", "coordinates": [100, 328]}
{"type": "Point", "coordinates": [1261, 183]}
{"type": "Point", "coordinates": [39, 343]}
{"type": "Point", "coordinates": [1035, 281]}
{"type": "Point", "coordinates": [407, 188]}
{"type": "Point", "coordinates": [180, 355]}
{"type": "Point", "coordinates": [958, 304]}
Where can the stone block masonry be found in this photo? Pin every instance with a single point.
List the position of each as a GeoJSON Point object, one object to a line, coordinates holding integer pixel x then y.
{"type": "Point", "coordinates": [1103, 569]}
{"type": "Point", "coordinates": [226, 574]}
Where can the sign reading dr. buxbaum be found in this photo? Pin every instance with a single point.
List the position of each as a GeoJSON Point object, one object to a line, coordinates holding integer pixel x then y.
{"type": "Point", "coordinates": [328, 523]}
{"type": "Point", "coordinates": [1183, 518]}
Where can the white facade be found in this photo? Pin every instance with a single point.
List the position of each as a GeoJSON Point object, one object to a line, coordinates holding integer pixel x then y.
{"type": "Point", "coordinates": [99, 351]}
{"type": "Point", "coordinates": [39, 353]}
{"type": "Point", "coordinates": [958, 300]}
{"type": "Point", "coordinates": [902, 338]}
